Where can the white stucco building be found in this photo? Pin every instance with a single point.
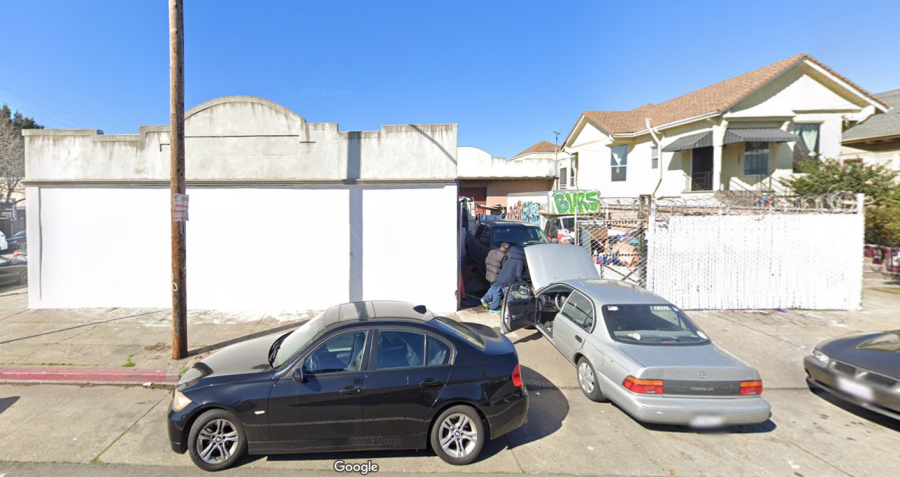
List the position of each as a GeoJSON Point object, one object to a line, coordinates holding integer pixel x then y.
{"type": "Point", "coordinates": [489, 180]}
{"type": "Point", "coordinates": [741, 134]}
{"type": "Point", "coordinates": [284, 214]}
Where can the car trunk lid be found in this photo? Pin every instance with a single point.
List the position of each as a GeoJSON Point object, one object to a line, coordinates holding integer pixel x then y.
{"type": "Point", "coordinates": [701, 370]}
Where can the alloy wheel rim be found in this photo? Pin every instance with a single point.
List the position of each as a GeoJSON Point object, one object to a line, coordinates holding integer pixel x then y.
{"type": "Point", "coordinates": [586, 377]}
{"type": "Point", "coordinates": [217, 441]}
{"type": "Point", "coordinates": [458, 436]}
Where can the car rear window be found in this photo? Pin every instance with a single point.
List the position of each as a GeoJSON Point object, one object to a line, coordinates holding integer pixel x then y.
{"type": "Point", "coordinates": [518, 235]}
{"type": "Point", "coordinates": [657, 325]}
{"type": "Point", "coordinates": [460, 330]}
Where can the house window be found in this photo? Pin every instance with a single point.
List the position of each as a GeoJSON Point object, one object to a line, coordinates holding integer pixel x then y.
{"type": "Point", "coordinates": [572, 178]}
{"type": "Point", "coordinates": [563, 174]}
{"type": "Point", "coordinates": [756, 159]}
{"type": "Point", "coordinates": [619, 163]}
{"type": "Point", "coordinates": [808, 145]}
{"type": "Point", "coordinates": [654, 156]}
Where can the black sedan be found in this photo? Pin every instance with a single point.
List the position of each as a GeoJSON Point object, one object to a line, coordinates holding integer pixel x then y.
{"type": "Point", "coordinates": [360, 376]}
{"type": "Point", "coordinates": [17, 242]}
{"type": "Point", "coordinates": [863, 369]}
{"type": "Point", "coordinates": [13, 271]}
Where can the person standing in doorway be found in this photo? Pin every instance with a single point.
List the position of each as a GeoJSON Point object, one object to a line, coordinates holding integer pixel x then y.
{"type": "Point", "coordinates": [493, 264]}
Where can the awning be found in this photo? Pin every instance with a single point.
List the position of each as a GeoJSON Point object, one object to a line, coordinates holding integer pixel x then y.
{"type": "Point", "coordinates": [733, 135]}
{"type": "Point", "coordinates": [690, 142]}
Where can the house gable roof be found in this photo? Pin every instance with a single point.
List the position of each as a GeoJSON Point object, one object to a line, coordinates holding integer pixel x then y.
{"type": "Point", "coordinates": [880, 125]}
{"type": "Point", "coordinates": [711, 100]}
{"type": "Point", "coordinates": [543, 146]}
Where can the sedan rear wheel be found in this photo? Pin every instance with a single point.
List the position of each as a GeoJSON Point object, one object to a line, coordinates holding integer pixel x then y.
{"type": "Point", "coordinates": [457, 435]}
{"type": "Point", "coordinates": [217, 440]}
{"type": "Point", "coordinates": [587, 380]}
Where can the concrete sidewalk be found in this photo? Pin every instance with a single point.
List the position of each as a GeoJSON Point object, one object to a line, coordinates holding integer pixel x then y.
{"type": "Point", "coordinates": [109, 345]}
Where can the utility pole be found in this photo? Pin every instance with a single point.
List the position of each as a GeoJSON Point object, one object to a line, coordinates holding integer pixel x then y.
{"type": "Point", "coordinates": [176, 136]}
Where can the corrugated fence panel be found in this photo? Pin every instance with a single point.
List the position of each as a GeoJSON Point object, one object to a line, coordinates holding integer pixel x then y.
{"type": "Point", "coordinates": [796, 261]}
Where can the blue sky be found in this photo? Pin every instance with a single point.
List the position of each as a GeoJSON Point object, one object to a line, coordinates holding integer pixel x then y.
{"type": "Point", "coordinates": [509, 73]}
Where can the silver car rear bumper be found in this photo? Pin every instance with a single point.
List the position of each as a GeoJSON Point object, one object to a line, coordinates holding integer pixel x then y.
{"type": "Point", "coordinates": [696, 412]}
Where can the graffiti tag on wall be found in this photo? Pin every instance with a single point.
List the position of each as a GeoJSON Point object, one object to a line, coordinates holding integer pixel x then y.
{"type": "Point", "coordinates": [527, 211]}
{"type": "Point", "coordinates": [567, 202]}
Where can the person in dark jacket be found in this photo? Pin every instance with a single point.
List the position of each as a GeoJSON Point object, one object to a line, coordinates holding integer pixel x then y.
{"type": "Point", "coordinates": [514, 267]}
{"type": "Point", "coordinates": [493, 264]}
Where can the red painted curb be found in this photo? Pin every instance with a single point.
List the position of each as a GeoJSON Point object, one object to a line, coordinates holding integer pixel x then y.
{"type": "Point", "coordinates": [88, 375]}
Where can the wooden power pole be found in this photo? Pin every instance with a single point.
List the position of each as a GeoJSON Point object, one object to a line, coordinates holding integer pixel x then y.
{"type": "Point", "coordinates": [179, 199]}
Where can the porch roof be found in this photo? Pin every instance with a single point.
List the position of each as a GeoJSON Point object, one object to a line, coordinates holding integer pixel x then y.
{"type": "Point", "coordinates": [733, 135]}
{"type": "Point", "coordinates": [690, 142]}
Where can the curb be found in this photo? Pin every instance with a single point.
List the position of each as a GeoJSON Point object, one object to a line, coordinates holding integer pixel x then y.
{"type": "Point", "coordinates": [66, 375]}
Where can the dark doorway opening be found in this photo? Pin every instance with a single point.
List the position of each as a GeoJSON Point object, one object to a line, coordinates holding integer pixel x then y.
{"type": "Point", "coordinates": [702, 168]}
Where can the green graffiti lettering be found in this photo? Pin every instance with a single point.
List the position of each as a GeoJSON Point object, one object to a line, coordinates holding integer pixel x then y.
{"type": "Point", "coordinates": [562, 205]}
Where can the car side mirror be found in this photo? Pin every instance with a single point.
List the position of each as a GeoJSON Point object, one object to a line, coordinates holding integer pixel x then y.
{"type": "Point", "coordinates": [298, 375]}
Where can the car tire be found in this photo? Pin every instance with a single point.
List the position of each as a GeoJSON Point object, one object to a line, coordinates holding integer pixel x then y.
{"type": "Point", "coordinates": [204, 446]}
{"type": "Point", "coordinates": [462, 433]}
{"type": "Point", "coordinates": [23, 278]}
{"type": "Point", "coordinates": [587, 380]}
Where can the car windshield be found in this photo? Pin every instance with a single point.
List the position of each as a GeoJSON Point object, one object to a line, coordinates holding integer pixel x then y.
{"type": "Point", "coordinates": [460, 330]}
{"type": "Point", "coordinates": [298, 339]}
{"type": "Point", "coordinates": [651, 325]}
{"type": "Point", "coordinates": [518, 235]}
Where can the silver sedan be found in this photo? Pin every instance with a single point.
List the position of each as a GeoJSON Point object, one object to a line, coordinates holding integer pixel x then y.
{"type": "Point", "coordinates": [632, 346]}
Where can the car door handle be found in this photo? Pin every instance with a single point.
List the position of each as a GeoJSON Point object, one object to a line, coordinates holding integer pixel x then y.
{"type": "Point", "coordinates": [350, 390]}
{"type": "Point", "coordinates": [579, 339]}
{"type": "Point", "coordinates": [431, 382]}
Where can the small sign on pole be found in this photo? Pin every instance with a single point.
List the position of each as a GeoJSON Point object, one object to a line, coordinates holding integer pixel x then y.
{"type": "Point", "coordinates": [180, 208]}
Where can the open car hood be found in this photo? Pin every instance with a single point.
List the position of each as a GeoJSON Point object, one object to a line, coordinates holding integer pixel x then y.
{"type": "Point", "coordinates": [551, 262]}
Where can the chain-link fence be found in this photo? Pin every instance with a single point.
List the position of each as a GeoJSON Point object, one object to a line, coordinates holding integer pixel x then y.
{"type": "Point", "coordinates": [703, 252]}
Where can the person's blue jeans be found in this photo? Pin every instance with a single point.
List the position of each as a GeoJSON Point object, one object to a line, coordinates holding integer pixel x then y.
{"type": "Point", "coordinates": [494, 296]}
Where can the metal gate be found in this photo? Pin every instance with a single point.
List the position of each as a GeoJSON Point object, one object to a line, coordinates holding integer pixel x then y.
{"type": "Point", "coordinates": [616, 238]}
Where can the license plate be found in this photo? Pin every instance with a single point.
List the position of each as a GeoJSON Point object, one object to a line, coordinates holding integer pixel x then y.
{"type": "Point", "coordinates": [855, 389]}
{"type": "Point", "coordinates": [707, 421]}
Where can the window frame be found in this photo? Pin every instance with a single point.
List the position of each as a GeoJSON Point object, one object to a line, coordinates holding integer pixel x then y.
{"type": "Point", "coordinates": [593, 311]}
{"type": "Point", "coordinates": [373, 355]}
{"type": "Point", "coordinates": [563, 178]}
{"type": "Point", "coordinates": [363, 366]}
{"type": "Point", "coordinates": [654, 156]}
{"type": "Point", "coordinates": [768, 165]}
{"type": "Point", "coordinates": [815, 154]}
{"type": "Point", "coordinates": [622, 168]}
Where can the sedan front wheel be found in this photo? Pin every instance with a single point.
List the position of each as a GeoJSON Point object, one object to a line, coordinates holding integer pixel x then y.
{"type": "Point", "coordinates": [217, 440]}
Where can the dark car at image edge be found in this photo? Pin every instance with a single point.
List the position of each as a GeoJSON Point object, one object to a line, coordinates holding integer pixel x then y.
{"type": "Point", "coordinates": [360, 376]}
{"type": "Point", "coordinates": [863, 369]}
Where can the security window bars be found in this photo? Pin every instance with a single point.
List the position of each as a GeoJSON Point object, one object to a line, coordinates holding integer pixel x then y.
{"type": "Point", "coordinates": [619, 163]}
{"type": "Point", "coordinates": [756, 159]}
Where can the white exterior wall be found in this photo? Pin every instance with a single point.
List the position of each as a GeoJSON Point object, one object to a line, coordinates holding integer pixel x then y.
{"type": "Point", "coordinates": [284, 215]}
{"type": "Point", "coordinates": [799, 261]}
{"type": "Point", "coordinates": [475, 163]}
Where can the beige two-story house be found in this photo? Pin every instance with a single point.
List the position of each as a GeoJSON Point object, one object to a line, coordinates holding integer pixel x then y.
{"type": "Point", "coordinates": [737, 135]}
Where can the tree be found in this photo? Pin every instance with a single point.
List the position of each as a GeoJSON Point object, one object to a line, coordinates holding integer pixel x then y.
{"type": "Point", "coordinates": [823, 177]}
{"type": "Point", "coordinates": [875, 181]}
{"type": "Point", "coordinates": [12, 151]}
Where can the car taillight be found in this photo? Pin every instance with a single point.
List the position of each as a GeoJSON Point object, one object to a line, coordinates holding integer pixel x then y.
{"type": "Point", "coordinates": [751, 388]}
{"type": "Point", "coordinates": [643, 386]}
{"type": "Point", "coordinates": [517, 376]}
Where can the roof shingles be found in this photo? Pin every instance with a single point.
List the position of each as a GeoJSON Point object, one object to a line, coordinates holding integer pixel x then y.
{"type": "Point", "coordinates": [709, 100]}
{"type": "Point", "coordinates": [543, 146]}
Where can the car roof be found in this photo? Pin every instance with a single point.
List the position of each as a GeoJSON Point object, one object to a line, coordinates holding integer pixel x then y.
{"type": "Point", "coordinates": [358, 311]}
{"type": "Point", "coordinates": [615, 292]}
{"type": "Point", "coordinates": [510, 222]}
